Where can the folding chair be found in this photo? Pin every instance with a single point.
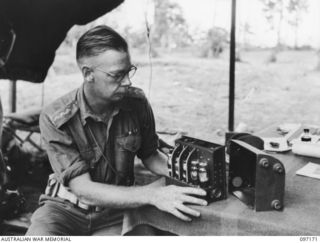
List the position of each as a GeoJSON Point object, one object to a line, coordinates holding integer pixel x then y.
{"type": "Point", "coordinates": [27, 121]}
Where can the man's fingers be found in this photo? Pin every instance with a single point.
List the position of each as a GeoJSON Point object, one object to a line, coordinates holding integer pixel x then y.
{"type": "Point", "coordinates": [193, 200]}
{"type": "Point", "coordinates": [193, 191]}
{"type": "Point", "coordinates": [187, 210]}
{"type": "Point", "coordinates": [180, 215]}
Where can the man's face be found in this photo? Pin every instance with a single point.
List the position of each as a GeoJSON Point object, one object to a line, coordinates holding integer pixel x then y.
{"type": "Point", "coordinates": [109, 71]}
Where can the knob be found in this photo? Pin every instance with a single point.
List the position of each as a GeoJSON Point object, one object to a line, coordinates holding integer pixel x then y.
{"type": "Point", "coordinates": [215, 193]}
{"type": "Point", "coordinates": [237, 181]}
{"type": "Point", "coordinates": [276, 204]}
{"type": "Point", "coordinates": [278, 168]}
{"type": "Point", "coordinates": [264, 163]}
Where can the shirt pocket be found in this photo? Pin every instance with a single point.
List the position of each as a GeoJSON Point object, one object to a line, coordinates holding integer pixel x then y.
{"type": "Point", "coordinates": [130, 143]}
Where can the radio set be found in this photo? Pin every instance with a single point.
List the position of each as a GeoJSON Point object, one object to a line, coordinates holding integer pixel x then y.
{"type": "Point", "coordinates": [197, 163]}
{"type": "Point", "coordinates": [256, 178]}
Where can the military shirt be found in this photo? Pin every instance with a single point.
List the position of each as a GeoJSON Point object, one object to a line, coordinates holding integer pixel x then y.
{"type": "Point", "coordinates": [79, 141]}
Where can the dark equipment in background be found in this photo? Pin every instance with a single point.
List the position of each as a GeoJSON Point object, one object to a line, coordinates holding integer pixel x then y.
{"type": "Point", "coordinates": [7, 40]}
{"type": "Point", "coordinates": [26, 121]}
{"type": "Point", "coordinates": [28, 162]}
{"type": "Point", "coordinates": [199, 163]}
{"type": "Point", "coordinates": [255, 177]}
{"type": "Point", "coordinates": [12, 201]}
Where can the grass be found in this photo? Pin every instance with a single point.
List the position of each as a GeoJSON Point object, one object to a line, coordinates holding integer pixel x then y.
{"type": "Point", "coordinates": [190, 94]}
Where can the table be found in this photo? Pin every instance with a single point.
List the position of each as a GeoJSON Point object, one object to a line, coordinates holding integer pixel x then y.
{"type": "Point", "coordinates": [301, 214]}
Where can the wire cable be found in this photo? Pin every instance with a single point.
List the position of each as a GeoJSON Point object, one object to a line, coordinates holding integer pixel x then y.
{"type": "Point", "coordinates": [148, 29]}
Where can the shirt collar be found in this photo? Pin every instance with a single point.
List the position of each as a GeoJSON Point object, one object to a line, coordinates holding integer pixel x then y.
{"type": "Point", "coordinates": [86, 112]}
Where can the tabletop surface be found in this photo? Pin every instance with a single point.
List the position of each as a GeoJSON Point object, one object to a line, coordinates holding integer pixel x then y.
{"type": "Point", "coordinates": [301, 214]}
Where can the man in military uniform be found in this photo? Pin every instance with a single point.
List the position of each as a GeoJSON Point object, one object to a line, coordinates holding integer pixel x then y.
{"type": "Point", "coordinates": [92, 136]}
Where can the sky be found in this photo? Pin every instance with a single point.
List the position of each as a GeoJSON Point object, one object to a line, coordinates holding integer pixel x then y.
{"type": "Point", "coordinates": [203, 14]}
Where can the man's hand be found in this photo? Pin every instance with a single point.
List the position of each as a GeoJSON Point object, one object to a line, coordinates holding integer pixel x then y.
{"type": "Point", "coordinates": [172, 199]}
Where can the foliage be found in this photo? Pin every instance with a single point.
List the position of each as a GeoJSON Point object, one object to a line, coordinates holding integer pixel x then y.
{"type": "Point", "coordinates": [214, 42]}
{"type": "Point", "coordinates": [170, 28]}
{"type": "Point", "coordinates": [244, 31]}
{"type": "Point", "coordinates": [136, 39]}
{"type": "Point", "coordinates": [274, 11]}
{"type": "Point", "coordinates": [270, 9]}
{"type": "Point", "coordinates": [295, 9]}
{"type": "Point", "coordinates": [297, 6]}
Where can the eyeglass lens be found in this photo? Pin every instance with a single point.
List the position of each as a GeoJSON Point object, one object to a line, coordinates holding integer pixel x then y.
{"type": "Point", "coordinates": [132, 71]}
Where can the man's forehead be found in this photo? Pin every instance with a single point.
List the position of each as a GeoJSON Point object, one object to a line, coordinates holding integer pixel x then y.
{"type": "Point", "coordinates": [110, 59]}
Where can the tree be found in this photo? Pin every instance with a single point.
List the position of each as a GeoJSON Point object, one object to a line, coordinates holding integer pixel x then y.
{"type": "Point", "coordinates": [170, 27]}
{"type": "Point", "coordinates": [295, 8]}
{"type": "Point", "coordinates": [217, 38]}
{"type": "Point", "coordinates": [274, 12]}
{"type": "Point", "coordinates": [135, 38]}
{"type": "Point", "coordinates": [244, 32]}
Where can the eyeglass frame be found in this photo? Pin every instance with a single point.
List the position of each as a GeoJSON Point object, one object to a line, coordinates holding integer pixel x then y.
{"type": "Point", "coordinates": [119, 80]}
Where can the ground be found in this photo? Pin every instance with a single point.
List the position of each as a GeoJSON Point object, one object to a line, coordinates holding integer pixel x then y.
{"type": "Point", "coordinates": [190, 94]}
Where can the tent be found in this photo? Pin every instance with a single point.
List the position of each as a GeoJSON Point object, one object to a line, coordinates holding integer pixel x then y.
{"type": "Point", "coordinates": [32, 30]}
{"type": "Point", "coordinates": [40, 26]}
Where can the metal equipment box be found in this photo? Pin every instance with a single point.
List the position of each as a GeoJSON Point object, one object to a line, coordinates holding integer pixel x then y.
{"type": "Point", "coordinates": [199, 163]}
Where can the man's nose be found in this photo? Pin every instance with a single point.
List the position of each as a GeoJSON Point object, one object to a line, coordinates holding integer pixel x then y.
{"type": "Point", "coordinates": [126, 81]}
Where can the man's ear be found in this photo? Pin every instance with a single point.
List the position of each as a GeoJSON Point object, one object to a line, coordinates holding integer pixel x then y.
{"type": "Point", "coordinates": [87, 74]}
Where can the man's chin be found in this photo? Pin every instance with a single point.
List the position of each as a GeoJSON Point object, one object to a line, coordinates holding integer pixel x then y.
{"type": "Point", "coordinates": [118, 97]}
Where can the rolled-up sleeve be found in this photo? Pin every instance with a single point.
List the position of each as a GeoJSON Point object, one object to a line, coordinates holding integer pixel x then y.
{"type": "Point", "coordinates": [149, 142]}
{"type": "Point", "coordinates": [63, 154]}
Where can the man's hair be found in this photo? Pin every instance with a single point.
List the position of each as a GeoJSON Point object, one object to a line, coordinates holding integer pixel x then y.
{"type": "Point", "coordinates": [98, 40]}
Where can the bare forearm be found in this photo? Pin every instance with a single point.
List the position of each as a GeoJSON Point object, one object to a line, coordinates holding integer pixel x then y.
{"type": "Point", "coordinates": [105, 195]}
{"type": "Point", "coordinates": [170, 199]}
{"type": "Point", "coordinates": [157, 163]}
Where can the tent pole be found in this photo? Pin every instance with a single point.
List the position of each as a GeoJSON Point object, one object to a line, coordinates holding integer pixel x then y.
{"type": "Point", "coordinates": [232, 66]}
{"type": "Point", "coordinates": [12, 95]}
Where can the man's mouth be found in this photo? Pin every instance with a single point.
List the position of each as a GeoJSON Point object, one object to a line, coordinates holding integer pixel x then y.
{"type": "Point", "coordinates": [121, 92]}
{"type": "Point", "coordinates": [119, 95]}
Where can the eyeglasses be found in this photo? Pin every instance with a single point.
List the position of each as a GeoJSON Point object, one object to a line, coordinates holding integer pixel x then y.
{"type": "Point", "coordinates": [118, 77]}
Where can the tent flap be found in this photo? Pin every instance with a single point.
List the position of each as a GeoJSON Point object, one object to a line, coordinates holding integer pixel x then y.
{"type": "Point", "coordinates": [40, 27]}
